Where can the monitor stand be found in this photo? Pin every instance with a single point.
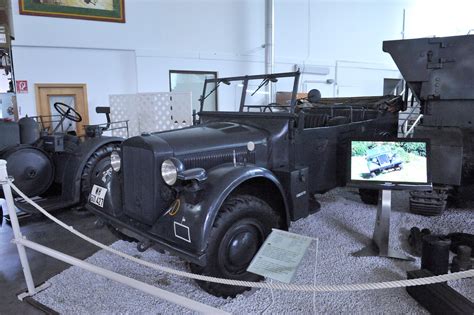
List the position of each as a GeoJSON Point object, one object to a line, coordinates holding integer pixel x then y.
{"type": "Point", "coordinates": [379, 243]}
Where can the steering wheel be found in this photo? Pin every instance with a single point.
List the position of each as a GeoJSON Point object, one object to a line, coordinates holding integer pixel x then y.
{"type": "Point", "coordinates": [67, 112]}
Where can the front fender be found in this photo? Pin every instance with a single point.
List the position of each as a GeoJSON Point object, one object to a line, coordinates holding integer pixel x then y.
{"type": "Point", "coordinates": [223, 180]}
{"type": "Point", "coordinates": [197, 213]}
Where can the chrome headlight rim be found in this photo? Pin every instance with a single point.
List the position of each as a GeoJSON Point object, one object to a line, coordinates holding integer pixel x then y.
{"type": "Point", "coordinates": [115, 161]}
{"type": "Point", "coordinates": [169, 172]}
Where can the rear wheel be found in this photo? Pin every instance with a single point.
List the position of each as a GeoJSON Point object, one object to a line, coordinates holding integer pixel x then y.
{"type": "Point", "coordinates": [369, 196]}
{"type": "Point", "coordinates": [95, 164]}
{"type": "Point", "coordinates": [239, 230]}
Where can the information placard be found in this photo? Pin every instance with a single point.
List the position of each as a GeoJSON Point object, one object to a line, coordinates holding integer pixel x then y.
{"type": "Point", "coordinates": [280, 255]}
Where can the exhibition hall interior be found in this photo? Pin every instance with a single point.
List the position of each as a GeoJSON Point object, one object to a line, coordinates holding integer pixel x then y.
{"type": "Point", "coordinates": [236, 157]}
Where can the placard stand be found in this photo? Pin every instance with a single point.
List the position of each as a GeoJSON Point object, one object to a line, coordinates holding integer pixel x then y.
{"type": "Point", "coordinates": [380, 239]}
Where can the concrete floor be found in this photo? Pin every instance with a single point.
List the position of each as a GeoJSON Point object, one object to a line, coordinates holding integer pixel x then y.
{"type": "Point", "coordinates": [43, 267]}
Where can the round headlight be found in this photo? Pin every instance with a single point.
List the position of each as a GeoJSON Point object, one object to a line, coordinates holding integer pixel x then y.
{"type": "Point", "coordinates": [115, 161]}
{"type": "Point", "coordinates": [169, 172]}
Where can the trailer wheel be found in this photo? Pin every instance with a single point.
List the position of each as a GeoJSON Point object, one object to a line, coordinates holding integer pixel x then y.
{"type": "Point", "coordinates": [369, 196]}
{"type": "Point", "coordinates": [96, 163]}
{"type": "Point", "coordinates": [239, 230]}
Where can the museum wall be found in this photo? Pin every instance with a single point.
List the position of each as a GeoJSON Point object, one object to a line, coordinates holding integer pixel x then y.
{"type": "Point", "coordinates": [104, 71]}
{"type": "Point", "coordinates": [342, 36]}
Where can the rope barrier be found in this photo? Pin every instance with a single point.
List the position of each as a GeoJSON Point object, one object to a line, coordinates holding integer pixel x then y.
{"type": "Point", "coordinates": [277, 286]}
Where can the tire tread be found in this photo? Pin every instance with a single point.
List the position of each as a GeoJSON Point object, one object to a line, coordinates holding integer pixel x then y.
{"type": "Point", "coordinates": [225, 216]}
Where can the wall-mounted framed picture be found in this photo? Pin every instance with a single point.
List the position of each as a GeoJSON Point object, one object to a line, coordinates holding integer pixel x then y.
{"type": "Point", "coordinates": [99, 10]}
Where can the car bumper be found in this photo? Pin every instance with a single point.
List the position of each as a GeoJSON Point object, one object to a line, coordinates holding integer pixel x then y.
{"type": "Point", "coordinates": [199, 259]}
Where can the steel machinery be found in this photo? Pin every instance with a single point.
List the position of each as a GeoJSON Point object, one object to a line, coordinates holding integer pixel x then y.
{"type": "Point", "coordinates": [440, 73]}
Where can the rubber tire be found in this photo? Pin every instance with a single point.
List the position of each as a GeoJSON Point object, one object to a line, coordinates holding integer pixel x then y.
{"type": "Point", "coordinates": [239, 211]}
{"type": "Point", "coordinates": [369, 196]}
{"type": "Point", "coordinates": [100, 156]}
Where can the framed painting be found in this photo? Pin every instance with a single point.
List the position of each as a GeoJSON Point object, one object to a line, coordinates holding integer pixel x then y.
{"type": "Point", "coordinates": [99, 10]}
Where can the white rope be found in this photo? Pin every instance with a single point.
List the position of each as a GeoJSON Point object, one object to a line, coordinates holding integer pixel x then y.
{"type": "Point", "coordinates": [277, 286]}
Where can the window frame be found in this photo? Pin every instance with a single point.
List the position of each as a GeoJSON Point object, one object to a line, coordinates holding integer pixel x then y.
{"type": "Point", "coordinates": [214, 73]}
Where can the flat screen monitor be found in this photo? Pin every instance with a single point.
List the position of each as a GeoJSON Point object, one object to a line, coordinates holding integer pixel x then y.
{"type": "Point", "coordinates": [390, 164]}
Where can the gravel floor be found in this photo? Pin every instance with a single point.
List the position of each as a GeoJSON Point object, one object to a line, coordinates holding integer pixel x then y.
{"type": "Point", "coordinates": [344, 225]}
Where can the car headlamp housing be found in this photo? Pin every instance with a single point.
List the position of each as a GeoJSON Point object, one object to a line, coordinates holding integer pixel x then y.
{"type": "Point", "coordinates": [169, 172]}
{"type": "Point", "coordinates": [115, 161]}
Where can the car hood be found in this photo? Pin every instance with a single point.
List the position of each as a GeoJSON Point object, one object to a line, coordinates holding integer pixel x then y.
{"type": "Point", "coordinates": [211, 137]}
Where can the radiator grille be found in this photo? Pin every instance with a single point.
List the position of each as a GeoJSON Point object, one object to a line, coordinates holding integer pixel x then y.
{"type": "Point", "coordinates": [139, 184]}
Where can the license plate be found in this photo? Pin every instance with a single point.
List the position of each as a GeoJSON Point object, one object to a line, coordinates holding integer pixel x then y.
{"type": "Point", "coordinates": [97, 196]}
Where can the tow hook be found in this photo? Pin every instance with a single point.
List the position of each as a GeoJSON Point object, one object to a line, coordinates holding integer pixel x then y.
{"type": "Point", "coordinates": [143, 246]}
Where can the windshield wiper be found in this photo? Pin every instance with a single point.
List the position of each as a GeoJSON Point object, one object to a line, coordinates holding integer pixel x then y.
{"type": "Point", "coordinates": [264, 83]}
{"type": "Point", "coordinates": [215, 88]}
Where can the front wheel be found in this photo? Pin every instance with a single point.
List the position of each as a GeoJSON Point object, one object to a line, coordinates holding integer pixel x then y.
{"type": "Point", "coordinates": [239, 230]}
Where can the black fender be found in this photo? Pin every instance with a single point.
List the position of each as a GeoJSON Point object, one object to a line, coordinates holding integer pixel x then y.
{"type": "Point", "coordinates": [223, 180]}
{"type": "Point", "coordinates": [71, 181]}
{"type": "Point", "coordinates": [190, 227]}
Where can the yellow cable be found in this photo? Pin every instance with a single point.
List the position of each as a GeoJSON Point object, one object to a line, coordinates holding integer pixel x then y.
{"type": "Point", "coordinates": [175, 209]}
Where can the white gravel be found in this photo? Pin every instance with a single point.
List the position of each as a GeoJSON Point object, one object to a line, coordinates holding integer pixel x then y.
{"type": "Point", "coordinates": [343, 225]}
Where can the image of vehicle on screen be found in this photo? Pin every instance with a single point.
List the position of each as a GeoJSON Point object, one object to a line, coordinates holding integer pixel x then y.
{"type": "Point", "coordinates": [389, 161]}
{"type": "Point", "coordinates": [382, 158]}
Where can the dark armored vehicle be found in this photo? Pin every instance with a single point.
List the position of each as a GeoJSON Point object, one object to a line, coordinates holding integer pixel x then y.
{"type": "Point", "coordinates": [440, 73]}
{"type": "Point", "coordinates": [212, 192]}
{"type": "Point", "coordinates": [381, 159]}
{"type": "Point", "coordinates": [55, 165]}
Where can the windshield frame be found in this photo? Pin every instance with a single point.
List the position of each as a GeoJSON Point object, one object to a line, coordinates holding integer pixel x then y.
{"type": "Point", "coordinates": [245, 81]}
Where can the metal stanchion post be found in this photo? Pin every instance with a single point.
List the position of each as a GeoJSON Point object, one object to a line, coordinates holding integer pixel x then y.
{"type": "Point", "coordinates": [16, 227]}
{"type": "Point", "coordinates": [380, 239]}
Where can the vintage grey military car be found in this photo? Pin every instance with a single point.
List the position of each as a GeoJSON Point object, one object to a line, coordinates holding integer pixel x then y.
{"type": "Point", "coordinates": [380, 159]}
{"type": "Point", "coordinates": [211, 193]}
